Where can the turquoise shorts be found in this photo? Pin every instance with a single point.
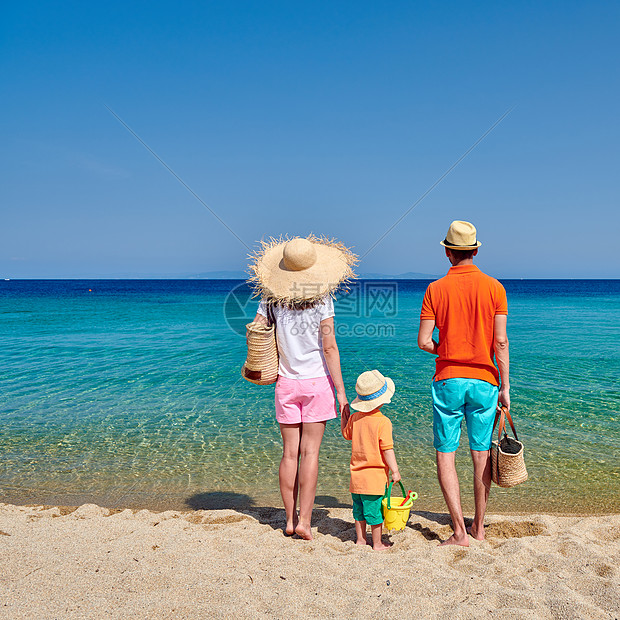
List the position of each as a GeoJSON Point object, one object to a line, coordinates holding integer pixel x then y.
{"type": "Point", "coordinates": [367, 508]}
{"type": "Point", "coordinates": [455, 399]}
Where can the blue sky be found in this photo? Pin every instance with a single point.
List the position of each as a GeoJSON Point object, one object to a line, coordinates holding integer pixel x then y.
{"type": "Point", "coordinates": [324, 117]}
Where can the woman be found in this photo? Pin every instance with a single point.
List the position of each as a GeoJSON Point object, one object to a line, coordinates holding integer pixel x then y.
{"type": "Point", "coordinates": [296, 279]}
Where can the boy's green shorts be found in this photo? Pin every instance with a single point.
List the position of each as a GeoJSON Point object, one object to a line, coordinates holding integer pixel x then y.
{"type": "Point", "coordinates": [367, 508]}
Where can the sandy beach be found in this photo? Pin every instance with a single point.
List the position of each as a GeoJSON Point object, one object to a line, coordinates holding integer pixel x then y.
{"type": "Point", "coordinates": [90, 562]}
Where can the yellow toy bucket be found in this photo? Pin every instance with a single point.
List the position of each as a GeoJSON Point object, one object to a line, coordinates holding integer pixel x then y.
{"type": "Point", "coordinates": [396, 513]}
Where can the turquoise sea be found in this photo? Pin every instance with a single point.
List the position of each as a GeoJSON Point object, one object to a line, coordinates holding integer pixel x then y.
{"type": "Point", "coordinates": [128, 393]}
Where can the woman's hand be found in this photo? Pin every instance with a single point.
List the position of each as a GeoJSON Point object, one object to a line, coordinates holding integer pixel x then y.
{"type": "Point", "coordinates": [332, 359]}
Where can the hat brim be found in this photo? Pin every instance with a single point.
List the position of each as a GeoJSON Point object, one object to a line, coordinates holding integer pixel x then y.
{"type": "Point", "coordinates": [368, 405]}
{"type": "Point", "coordinates": [274, 282]}
{"type": "Point", "coordinates": [460, 247]}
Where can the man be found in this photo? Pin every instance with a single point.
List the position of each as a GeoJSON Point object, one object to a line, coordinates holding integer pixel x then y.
{"type": "Point", "coordinates": [470, 310]}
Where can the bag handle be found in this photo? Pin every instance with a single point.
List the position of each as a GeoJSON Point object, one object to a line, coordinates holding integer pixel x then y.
{"type": "Point", "coordinates": [271, 319]}
{"type": "Point", "coordinates": [388, 492]}
{"type": "Point", "coordinates": [504, 411]}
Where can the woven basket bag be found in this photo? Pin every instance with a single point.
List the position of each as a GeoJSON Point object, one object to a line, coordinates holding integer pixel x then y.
{"type": "Point", "coordinates": [261, 364]}
{"type": "Point", "coordinates": [507, 462]}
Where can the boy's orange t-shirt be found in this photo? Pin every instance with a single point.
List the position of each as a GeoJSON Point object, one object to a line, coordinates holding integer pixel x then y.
{"type": "Point", "coordinates": [463, 305]}
{"type": "Point", "coordinates": [369, 433]}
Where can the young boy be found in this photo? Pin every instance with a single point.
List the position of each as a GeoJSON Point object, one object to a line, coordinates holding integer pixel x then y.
{"type": "Point", "coordinates": [372, 453]}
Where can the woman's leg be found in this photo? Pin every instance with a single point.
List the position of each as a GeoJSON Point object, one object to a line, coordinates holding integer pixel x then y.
{"type": "Point", "coordinates": [289, 479]}
{"type": "Point", "coordinates": [311, 437]}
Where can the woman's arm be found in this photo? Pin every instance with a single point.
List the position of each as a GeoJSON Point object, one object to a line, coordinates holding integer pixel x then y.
{"type": "Point", "coordinates": [332, 358]}
{"type": "Point", "coordinates": [345, 414]}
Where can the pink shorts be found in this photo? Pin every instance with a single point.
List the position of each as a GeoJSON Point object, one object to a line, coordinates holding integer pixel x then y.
{"type": "Point", "coordinates": [305, 400]}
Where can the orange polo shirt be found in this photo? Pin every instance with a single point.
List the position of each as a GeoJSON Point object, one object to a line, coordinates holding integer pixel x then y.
{"type": "Point", "coordinates": [463, 305]}
{"type": "Point", "coordinates": [369, 433]}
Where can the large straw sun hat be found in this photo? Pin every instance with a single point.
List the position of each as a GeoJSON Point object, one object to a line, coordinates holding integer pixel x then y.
{"type": "Point", "coordinates": [373, 390]}
{"type": "Point", "coordinates": [300, 269]}
{"type": "Point", "coordinates": [461, 236]}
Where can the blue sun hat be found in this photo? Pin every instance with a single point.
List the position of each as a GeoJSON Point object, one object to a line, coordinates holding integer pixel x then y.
{"type": "Point", "coordinates": [373, 390]}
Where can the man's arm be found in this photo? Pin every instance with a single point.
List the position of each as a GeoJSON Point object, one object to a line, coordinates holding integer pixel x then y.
{"type": "Point", "coordinates": [425, 336]}
{"type": "Point", "coordinates": [502, 357]}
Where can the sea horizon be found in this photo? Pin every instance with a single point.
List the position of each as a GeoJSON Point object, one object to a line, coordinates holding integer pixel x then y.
{"type": "Point", "coordinates": [427, 277]}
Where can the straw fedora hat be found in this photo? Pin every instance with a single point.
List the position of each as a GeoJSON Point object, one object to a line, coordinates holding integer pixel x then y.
{"type": "Point", "coordinates": [461, 236]}
{"type": "Point", "coordinates": [373, 390]}
{"type": "Point", "coordinates": [300, 269]}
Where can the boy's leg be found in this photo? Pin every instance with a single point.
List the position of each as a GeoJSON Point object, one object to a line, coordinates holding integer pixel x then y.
{"type": "Point", "coordinates": [291, 437]}
{"type": "Point", "coordinates": [372, 510]}
{"type": "Point", "coordinates": [311, 437]}
{"type": "Point", "coordinates": [360, 533]}
{"type": "Point", "coordinates": [360, 520]}
{"type": "Point", "coordinates": [377, 542]}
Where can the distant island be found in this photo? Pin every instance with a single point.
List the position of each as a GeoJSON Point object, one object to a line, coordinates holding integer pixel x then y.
{"type": "Point", "coordinates": [206, 275]}
{"type": "Point", "coordinates": [220, 275]}
{"type": "Point", "coordinates": [240, 275]}
{"type": "Point", "coordinates": [409, 275]}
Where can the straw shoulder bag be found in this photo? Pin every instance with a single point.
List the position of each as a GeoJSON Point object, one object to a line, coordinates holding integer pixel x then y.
{"type": "Point", "coordinates": [261, 364]}
{"type": "Point", "coordinates": [507, 462]}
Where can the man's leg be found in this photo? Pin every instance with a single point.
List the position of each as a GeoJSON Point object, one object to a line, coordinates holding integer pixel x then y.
{"type": "Point", "coordinates": [448, 403]}
{"type": "Point", "coordinates": [482, 485]}
{"type": "Point", "coordinates": [449, 483]}
{"type": "Point", "coordinates": [481, 402]}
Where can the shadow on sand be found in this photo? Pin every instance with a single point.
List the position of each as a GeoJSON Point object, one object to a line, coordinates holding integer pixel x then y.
{"type": "Point", "coordinates": [440, 518]}
{"type": "Point", "coordinates": [326, 524]}
{"type": "Point", "coordinates": [276, 517]}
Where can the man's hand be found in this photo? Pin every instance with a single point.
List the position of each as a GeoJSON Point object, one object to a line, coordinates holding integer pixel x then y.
{"type": "Point", "coordinates": [504, 397]}
{"type": "Point", "coordinates": [396, 476]}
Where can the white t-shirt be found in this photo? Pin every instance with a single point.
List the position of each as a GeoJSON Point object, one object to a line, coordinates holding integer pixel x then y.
{"type": "Point", "coordinates": [300, 342]}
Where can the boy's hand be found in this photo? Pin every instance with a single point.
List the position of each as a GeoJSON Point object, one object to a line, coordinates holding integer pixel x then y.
{"type": "Point", "coordinates": [396, 476]}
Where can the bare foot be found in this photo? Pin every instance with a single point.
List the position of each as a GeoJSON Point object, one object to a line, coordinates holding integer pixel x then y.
{"type": "Point", "coordinates": [381, 546]}
{"type": "Point", "coordinates": [289, 530]}
{"type": "Point", "coordinates": [474, 533]}
{"type": "Point", "coordinates": [303, 531]}
{"type": "Point", "coordinates": [453, 540]}
{"type": "Point", "coordinates": [361, 541]}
